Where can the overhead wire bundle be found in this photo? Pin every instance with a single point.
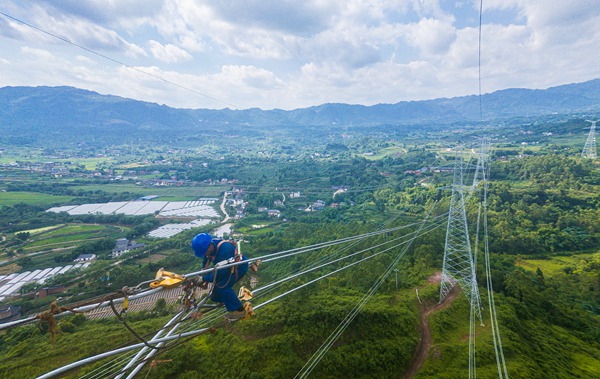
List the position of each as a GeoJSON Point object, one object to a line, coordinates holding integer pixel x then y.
{"type": "Point", "coordinates": [183, 326]}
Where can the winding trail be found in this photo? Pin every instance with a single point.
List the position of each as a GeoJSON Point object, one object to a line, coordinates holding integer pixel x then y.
{"type": "Point", "coordinates": [223, 208]}
{"type": "Point", "coordinates": [425, 341]}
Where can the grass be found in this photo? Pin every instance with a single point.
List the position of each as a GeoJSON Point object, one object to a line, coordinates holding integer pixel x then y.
{"type": "Point", "coordinates": [258, 228]}
{"type": "Point", "coordinates": [62, 241]}
{"type": "Point", "coordinates": [261, 231]}
{"type": "Point", "coordinates": [51, 242]}
{"type": "Point", "coordinates": [165, 193]}
{"type": "Point", "coordinates": [69, 235]}
{"type": "Point", "coordinates": [89, 163]}
{"type": "Point", "coordinates": [74, 229]}
{"type": "Point", "coordinates": [555, 264]}
{"type": "Point", "coordinates": [35, 157]}
{"type": "Point", "coordinates": [152, 258]}
{"type": "Point", "coordinates": [384, 152]}
{"type": "Point", "coordinates": [33, 232]}
{"type": "Point", "coordinates": [12, 198]}
{"type": "Point", "coordinates": [91, 338]}
{"type": "Point", "coordinates": [9, 269]}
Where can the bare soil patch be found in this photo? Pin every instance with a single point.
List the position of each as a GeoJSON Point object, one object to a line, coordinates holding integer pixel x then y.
{"type": "Point", "coordinates": [425, 342]}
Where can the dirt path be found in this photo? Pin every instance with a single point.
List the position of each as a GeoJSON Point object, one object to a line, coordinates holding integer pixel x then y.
{"type": "Point", "coordinates": [425, 341]}
{"type": "Point", "coordinates": [223, 208]}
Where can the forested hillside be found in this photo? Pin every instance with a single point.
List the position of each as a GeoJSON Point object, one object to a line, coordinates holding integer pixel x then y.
{"type": "Point", "coordinates": [30, 116]}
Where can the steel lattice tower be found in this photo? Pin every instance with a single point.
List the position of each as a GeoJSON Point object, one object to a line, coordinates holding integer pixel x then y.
{"type": "Point", "coordinates": [589, 150]}
{"type": "Point", "coordinates": [458, 259]}
{"type": "Point", "coordinates": [481, 162]}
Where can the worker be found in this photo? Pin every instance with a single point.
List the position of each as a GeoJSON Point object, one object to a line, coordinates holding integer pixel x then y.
{"type": "Point", "coordinates": [218, 251]}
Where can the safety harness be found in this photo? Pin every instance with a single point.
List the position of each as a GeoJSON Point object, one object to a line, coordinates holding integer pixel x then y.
{"type": "Point", "coordinates": [237, 257]}
{"type": "Point", "coordinates": [188, 299]}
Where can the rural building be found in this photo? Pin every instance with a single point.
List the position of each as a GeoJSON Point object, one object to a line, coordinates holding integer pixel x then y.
{"type": "Point", "coordinates": [123, 245]}
{"type": "Point", "coordinates": [85, 258]}
{"type": "Point", "coordinates": [148, 198]}
{"type": "Point", "coordinates": [318, 205]}
{"type": "Point", "coordinates": [50, 291]}
{"type": "Point", "coordinates": [274, 213]}
{"type": "Point", "coordinates": [10, 313]}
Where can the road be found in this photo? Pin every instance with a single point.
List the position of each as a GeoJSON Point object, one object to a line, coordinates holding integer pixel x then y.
{"type": "Point", "coordinates": [223, 208]}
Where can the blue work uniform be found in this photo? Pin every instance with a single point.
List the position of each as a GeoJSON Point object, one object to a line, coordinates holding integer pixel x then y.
{"type": "Point", "coordinates": [227, 277]}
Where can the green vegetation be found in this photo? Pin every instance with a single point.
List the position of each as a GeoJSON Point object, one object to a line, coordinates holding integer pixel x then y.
{"type": "Point", "coordinates": [164, 193]}
{"type": "Point", "coordinates": [35, 198]}
{"type": "Point", "coordinates": [29, 341]}
{"type": "Point", "coordinates": [557, 264]}
{"type": "Point", "coordinates": [543, 214]}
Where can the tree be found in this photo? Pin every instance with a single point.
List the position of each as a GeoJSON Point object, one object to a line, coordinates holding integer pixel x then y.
{"type": "Point", "coordinates": [24, 262]}
{"type": "Point", "coordinates": [23, 236]}
{"type": "Point", "coordinates": [160, 308]}
{"type": "Point", "coordinates": [29, 287]}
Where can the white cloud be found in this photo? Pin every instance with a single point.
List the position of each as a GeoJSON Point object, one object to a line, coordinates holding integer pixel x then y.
{"type": "Point", "coordinates": [293, 54]}
{"type": "Point", "coordinates": [347, 48]}
{"type": "Point", "coordinates": [168, 53]}
{"type": "Point", "coordinates": [52, 27]}
{"type": "Point", "coordinates": [298, 18]}
{"type": "Point", "coordinates": [431, 36]}
{"type": "Point", "coordinates": [106, 11]}
{"type": "Point", "coordinates": [37, 53]}
{"type": "Point", "coordinates": [250, 78]}
{"type": "Point", "coordinates": [554, 22]}
{"type": "Point", "coordinates": [429, 8]}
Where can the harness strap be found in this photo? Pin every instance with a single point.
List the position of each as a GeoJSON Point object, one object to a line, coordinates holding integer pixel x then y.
{"type": "Point", "coordinates": [237, 255]}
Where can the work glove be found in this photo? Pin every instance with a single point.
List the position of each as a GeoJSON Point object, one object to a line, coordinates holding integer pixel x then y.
{"type": "Point", "coordinates": [199, 282]}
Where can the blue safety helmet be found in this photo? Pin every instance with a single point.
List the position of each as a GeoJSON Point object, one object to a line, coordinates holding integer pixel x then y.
{"type": "Point", "coordinates": [200, 244]}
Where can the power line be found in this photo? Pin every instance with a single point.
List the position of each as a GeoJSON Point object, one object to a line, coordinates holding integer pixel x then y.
{"type": "Point", "coordinates": [320, 353]}
{"type": "Point", "coordinates": [500, 361]}
{"type": "Point", "coordinates": [479, 59]}
{"type": "Point", "coordinates": [117, 61]}
{"type": "Point", "coordinates": [197, 327]}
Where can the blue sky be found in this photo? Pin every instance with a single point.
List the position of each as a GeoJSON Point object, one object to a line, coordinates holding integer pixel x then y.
{"type": "Point", "coordinates": [294, 54]}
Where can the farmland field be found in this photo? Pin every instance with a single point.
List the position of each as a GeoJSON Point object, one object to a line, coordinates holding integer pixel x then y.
{"type": "Point", "coordinates": [12, 198]}
{"type": "Point", "coordinates": [41, 230]}
{"type": "Point", "coordinates": [71, 235]}
{"type": "Point", "coordinates": [165, 193]}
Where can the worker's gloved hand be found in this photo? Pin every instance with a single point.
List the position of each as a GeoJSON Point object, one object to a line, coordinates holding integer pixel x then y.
{"type": "Point", "coordinates": [199, 282]}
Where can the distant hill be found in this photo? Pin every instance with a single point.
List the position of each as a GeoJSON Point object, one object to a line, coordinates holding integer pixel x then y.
{"type": "Point", "coordinates": [42, 115]}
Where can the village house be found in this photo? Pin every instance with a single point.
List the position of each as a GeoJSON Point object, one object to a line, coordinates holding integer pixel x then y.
{"type": "Point", "coordinates": [274, 213]}
{"type": "Point", "coordinates": [10, 313]}
{"type": "Point", "coordinates": [50, 291]}
{"type": "Point", "coordinates": [123, 245]}
{"type": "Point", "coordinates": [85, 258]}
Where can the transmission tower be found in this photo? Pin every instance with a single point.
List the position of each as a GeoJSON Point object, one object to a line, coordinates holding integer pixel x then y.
{"type": "Point", "coordinates": [589, 150]}
{"type": "Point", "coordinates": [458, 264]}
{"type": "Point", "coordinates": [481, 162]}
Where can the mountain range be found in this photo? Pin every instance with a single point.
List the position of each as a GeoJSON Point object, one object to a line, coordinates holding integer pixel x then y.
{"type": "Point", "coordinates": [33, 115]}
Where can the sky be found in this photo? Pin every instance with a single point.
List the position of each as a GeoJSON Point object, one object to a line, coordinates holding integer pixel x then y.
{"type": "Point", "coordinates": [287, 54]}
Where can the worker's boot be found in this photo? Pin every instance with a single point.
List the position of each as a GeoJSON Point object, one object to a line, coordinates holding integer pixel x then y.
{"type": "Point", "coordinates": [235, 315]}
